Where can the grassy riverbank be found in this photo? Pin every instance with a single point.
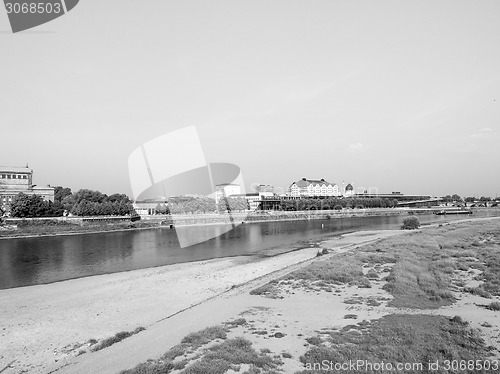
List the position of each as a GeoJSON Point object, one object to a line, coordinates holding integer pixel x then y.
{"type": "Point", "coordinates": [374, 296]}
{"type": "Point", "coordinates": [52, 227]}
{"type": "Point", "coordinates": [428, 300]}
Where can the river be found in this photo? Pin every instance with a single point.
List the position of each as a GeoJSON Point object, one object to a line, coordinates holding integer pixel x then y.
{"type": "Point", "coordinates": [31, 261]}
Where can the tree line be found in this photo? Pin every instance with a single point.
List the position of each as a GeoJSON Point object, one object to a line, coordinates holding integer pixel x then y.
{"type": "Point", "coordinates": [191, 204]}
{"type": "Point", "coordinates": [469, 199]}
{"type": "Point", "coordinates": [184, 205]}
{"type": "Point", "coordinates": [84, 202]}
{"type": "Point", "coordinates": [336, 203]}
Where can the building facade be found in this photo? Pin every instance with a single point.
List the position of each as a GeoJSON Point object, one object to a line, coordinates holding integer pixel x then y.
{"type": "Point", "coordinates": [16, 180]}
{"type": "Point", "coordinates": [226, 190]}
{"type": "Point", "coordinates": [313, 188]}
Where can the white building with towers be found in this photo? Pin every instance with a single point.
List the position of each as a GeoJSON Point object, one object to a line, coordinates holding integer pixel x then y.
{"type": "Point", "coordinates": [313, 188]}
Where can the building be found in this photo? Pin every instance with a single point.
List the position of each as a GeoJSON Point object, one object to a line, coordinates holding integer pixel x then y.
{"type": "Point", "coordinates": [16, 180]}
{"type": "Point", "coordinates": [147, 207]}
{"type": "Point", "coordinates": [226, 190]}
{"type": "Point", "coordinates": [349, 190]}
{"type": "Point", "coordinates": [265, 190]}
{"type": "Point", "coordinates": [313, 188]}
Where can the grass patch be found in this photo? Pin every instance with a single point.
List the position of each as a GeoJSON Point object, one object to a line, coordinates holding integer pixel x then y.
{"type": "Point", "coordinates": [197, 339]}
{"type": "Point", "coordinates": [495, 305]}
{"type": "Point", "coordinates": [343, 269]}
{"type": "Point", "coordinates": [351, 316]}
{"type": "Point", "coordinates": [425, 265]}
{"type": "Point", "coordinates": [479, 291]}
{"type": "Point", "coordinates": [270, 290]}
{"type": "Point", "coordinates": [398, 338]}
{"type": "Point", "coordinates": [236, 322]}
{"type": "Point", "coordinates": [115, 339]}
{"type": "Point", "coordinates": [229, 355]}
{"type": "Point", "coordinates": [210, 359]}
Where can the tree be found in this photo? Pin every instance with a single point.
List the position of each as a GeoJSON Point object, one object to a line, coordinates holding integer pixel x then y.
{"type": "Point", "coordinates": [410, 223]}
{"type": "Point", "coordinates": [162, 209]}
{"type": "Point", "coordinates": [223, 205]}
{"type": "Point", "coordinates": [60, 193]}
{"type": "Point", "coordinates": [456, 198]}
{"type": "Point", "coordinates": [29, 206]}
{"type": "Point", "coordinates": [116, 198]}
{"type": "Point", "coordinates": [447, 199]}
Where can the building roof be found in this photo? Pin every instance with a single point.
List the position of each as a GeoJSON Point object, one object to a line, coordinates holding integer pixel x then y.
{"type": "Point", "coordinates": [306, 182]}
{"type": "Point", "coordinates": [15, 169]}
{"type": "Point", "coordinates": [42, 188]}
{"type": "Point", "coordinates": [349, 187]}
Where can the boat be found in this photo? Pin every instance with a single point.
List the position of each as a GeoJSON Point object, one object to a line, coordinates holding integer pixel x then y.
{"type": "Point", "coordinates": [445, 212]}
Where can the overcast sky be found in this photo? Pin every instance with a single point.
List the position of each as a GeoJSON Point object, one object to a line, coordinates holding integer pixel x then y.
{"type": "Point", "coordinates": [395, 95]}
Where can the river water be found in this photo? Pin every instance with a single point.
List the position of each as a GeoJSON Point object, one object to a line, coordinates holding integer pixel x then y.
{"type": "Point", "coordinates": [30, 261]}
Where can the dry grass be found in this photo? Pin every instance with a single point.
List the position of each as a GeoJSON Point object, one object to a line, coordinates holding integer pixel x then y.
{"type": "Point", "coordinates": [115, 339]}
{"type": "Point", "coordinates": [398, 339]}
{"type": "Point", "coordinates": [229, 355]}
{"type": "Point", "coordinates": [210, 352]}
{"type": "Point", "coordinates": [425, 265]}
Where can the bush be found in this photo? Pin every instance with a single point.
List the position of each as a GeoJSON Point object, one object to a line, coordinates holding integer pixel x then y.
{"type": "Point", "coordinates": [495, 305]}
{"type": "Point", "coordinates": [116, 339]}
{"type": "Point", "coordinates": [410, 223]}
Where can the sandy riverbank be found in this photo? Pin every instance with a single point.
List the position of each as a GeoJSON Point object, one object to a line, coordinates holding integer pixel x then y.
{"type": "Point", "coordinates": [43, 327]}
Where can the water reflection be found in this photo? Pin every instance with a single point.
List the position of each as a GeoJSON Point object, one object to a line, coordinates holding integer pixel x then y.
{"type": "Point", "coordinates": [48, 259]}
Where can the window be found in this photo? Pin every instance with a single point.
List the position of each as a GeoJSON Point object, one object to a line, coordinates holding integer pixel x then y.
{"type": "Point", "coordinates": [3, 176]}
{"type": "Point", "coordinates": [8, 176]}
{"type": "Point", "coordinates": [25, 177]}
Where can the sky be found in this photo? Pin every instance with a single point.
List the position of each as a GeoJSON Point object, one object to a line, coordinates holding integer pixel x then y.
{"type": "Point", "coordinates": [387, 95]}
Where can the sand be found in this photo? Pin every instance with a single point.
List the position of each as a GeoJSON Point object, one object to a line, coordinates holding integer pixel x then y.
{"type": "Point", "coordinates": [43, 328]}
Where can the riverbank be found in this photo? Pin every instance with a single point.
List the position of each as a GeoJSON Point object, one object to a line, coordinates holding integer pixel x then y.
{"type": "Point", "coordinates": [46, 327]}
{"type": "Point", "coordinates": [49, 231]}
{"type": "Point", "coordinates": [430, 297]}
{"type": "Point", "coordinates": [43, 227]}
{"type": "Point", "coordinates": [300, 310]}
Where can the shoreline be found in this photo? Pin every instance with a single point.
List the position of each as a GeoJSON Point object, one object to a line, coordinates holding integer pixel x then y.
{"type": "Point", "coordinates": [44, 327]}
{"type": "Point", "coordinates": [155, 223]}
{"type": "Point", "coordinates": [43, 323]}
{"type": "Point", "coordinates": [296, 313]}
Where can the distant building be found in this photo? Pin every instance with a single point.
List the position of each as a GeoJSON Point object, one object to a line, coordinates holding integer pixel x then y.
{"type": "Point", "coordinates": [147, 207]}
{"type": "Point", "coordinates": [226, 190]}
{"type": "Point", "coordinates": [265, 190]}
{"type": "Point", "coordinates": [16, 180]}
{"type": "Point", "coordinates": [349, 190]}
{"type": "Point", "coordinates": [313, 188]}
